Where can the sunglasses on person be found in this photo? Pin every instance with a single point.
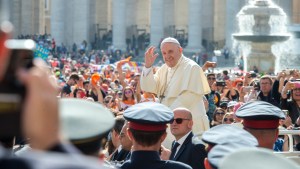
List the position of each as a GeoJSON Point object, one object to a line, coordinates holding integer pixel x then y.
{"type": "Point", "coordinates": [178, 120]}
{"type": "Point", "coordinates": [230, 119]}
{"type": "Point", "coordinates": [220, 113]}
{"type": "Point", "coordinates": [211, 78]}
{"type": "Point", "coordinates": [128, 92]}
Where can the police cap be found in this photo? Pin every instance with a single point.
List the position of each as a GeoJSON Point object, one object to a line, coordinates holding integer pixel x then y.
{"type": "Point", "coordinates": [148, 116]}
{"type": "Point", "coordinates": [260, 115]}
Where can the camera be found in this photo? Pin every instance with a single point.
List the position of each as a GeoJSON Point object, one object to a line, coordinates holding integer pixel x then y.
{"type": "Point", "coordinates": [12, 92]}
{"type": "Point", "coordinates": [220, 83]}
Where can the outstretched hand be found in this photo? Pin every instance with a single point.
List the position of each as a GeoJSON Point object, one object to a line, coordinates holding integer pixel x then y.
{"type": "Point", "coordinates": [150, 57]}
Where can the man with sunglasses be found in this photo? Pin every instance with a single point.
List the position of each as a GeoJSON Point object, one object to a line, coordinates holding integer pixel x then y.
{"type": "Point", "coordinates": [183, 149]}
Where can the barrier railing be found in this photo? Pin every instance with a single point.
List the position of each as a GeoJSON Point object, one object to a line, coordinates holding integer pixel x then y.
{"type": "Point", "coordinates": [290, 134]}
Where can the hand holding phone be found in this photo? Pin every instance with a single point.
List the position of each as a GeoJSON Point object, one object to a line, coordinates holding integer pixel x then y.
{"type": "Point", "coordinates": [12, 91]}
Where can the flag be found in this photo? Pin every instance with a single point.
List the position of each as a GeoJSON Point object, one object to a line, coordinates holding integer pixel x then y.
{"type": "Point", "coordinates": [41, 52]}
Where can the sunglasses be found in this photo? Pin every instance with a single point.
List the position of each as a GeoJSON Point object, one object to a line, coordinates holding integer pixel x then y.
{"type": "Point", "coordinates": [178, 120]}
{"type": "Point", "coordinates": [128, 92]}
{"type": "Point", "coordinates": [230, 119]}
{"type": "Point", "coordinates": [220, 113]}
{"type": "Point", "coordinates": [211, 78]}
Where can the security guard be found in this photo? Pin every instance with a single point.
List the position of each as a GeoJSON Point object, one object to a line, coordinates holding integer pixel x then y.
{"type": "Point", "coordinates": [256, 158]}
{"type": "Point", "coordinates": [261, 119]}
{"type": "Point", "coordinates": [85, 124]}
{"type": "Point", "coordinates": [147, 130]}
{"type": "Point", "coordinates": [223, 140]}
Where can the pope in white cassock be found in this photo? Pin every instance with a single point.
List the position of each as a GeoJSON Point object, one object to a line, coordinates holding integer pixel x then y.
{"type": "Point", "coordinates": [180, 82]}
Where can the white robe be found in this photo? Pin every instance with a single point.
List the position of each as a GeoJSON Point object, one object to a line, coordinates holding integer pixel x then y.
{"type": "Point", "coordinates": [185, 88]}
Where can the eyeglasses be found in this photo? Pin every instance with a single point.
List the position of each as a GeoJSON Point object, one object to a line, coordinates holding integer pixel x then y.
{"type": "Point", "coordinates": [211, 78]}
{"type": "Point", "coordinates": [178, 120]}
{"type": "Point", "coordinates": [128, 92]}
{"type": "Point", "coordinates": [220, 113]}
{"type": "Point", "coordinates": [230, 119]}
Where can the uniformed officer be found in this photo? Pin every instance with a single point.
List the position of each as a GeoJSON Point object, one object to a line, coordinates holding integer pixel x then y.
{"type": "Point", "coordinates": [225, 133]}
{"type": "Point", "coordinates": [261, 119]}
{"type": "Point", "coordinates": [223, 140]}
{"type": "Point", "coordinates": [85, 124]}
{"type": "Point", "coordinates": [147, 130]}
{"type": "Point", "coordinates": [256, 158]}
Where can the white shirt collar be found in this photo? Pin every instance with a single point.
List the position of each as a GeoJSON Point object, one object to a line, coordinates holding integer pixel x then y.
{"type": "Point", "coordinates": [182, 139]}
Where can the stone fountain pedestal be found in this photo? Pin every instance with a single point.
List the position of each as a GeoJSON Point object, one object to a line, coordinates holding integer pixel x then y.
{"type": "Point", "coordinates": [260, 56]}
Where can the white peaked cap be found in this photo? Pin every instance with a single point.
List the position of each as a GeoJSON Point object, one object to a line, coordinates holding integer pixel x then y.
{"type": "Point", "coordinates": [169, 40]}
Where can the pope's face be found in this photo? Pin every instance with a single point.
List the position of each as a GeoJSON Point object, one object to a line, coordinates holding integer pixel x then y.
{"type": "Point", "coordinates": [171, 53]}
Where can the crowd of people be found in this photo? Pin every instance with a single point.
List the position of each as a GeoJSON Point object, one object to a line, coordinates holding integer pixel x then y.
{"type": "Point", "coordinates": [178, 115]}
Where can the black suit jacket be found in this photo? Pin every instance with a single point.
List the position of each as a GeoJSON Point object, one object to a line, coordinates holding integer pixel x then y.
{"type": "Point", "coordinates": [191, 154]}
{"type": "Point", "coordinates": [120, 156]}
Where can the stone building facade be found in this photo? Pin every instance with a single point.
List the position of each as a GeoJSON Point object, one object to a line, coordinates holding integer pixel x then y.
{"type": "Point", "coordinates": [197, 23]}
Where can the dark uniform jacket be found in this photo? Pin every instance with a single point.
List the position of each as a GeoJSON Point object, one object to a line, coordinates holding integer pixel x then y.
{"type": "Point", "coordinates": [191, 154]}
{"type": "Point", "coordinates": [119, 156]}
{"type": "Point", "coordinates": [151, 160]}
{"type": "Point", "coordinates": [48, 160]}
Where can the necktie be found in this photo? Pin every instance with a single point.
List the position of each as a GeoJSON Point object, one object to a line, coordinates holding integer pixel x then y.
{"type": "Point", "coordinates": [173, 150]}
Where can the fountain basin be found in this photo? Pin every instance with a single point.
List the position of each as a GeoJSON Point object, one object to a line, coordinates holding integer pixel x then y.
{"type": "Point", "coordinates": [261, 38]}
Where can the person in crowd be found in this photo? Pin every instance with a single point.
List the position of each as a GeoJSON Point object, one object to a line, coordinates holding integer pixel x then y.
{"type": "Point", "coordinates": [261, 119]}
{"type": "Point", "coordinates": [225, 75]}
{"type": "Point", "coordinates": [66, 90]}
{"type": "Point", "coordinates": [291, 105]}
{"type": "Point", "coordinates": [228, 118]}
{"type": "Point", "coordinates": [128, 98]}
{"type": "Point", "coordinates": [230, 92]}
{"type": "Point", "coordinates": [213, 97]}
{"type": "Point", "coordinates": [231, 105]}
{"type": "Point", "coordinates": [183, 149]}
{"type": "Point", "coordinates": [125, 141]}
{"type": "Point", "coordinates": [218, 117]}
{"type": "Point", "coordinates": [178, 80]}
{"type": "Point", "coordinates": [96, 91]}
{"type": "Point", "coordinates": [119, 154]}
{"type": "Point", "coordinates": [266, 93]}
{"type": "Point", "coordinates": [147, 130]}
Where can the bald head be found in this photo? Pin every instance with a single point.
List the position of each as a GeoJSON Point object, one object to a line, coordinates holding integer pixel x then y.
{"type": "Point", "coordinates": [184, 111]}
{"type": "Point", "coordinates": [183, 122]}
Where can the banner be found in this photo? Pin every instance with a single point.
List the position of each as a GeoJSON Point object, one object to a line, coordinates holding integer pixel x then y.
{"type": "Point", "coordinates": [41, 52]}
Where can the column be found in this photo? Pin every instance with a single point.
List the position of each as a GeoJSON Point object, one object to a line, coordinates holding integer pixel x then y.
{"type": "Point", "coordinates": [27, 18]}
{"type": "Point", "coordinates": [194, 26]}
{"type": "Point", "coordinates": [156, 22]}
{"type": "Point", "coordinates": [119, 24]}
{"type": "Point", "coordinates": [81, 21]}
{"type": "Point", "coordinates": [232, 9]}
{"type": "Point", "coordinates": [57, 21]}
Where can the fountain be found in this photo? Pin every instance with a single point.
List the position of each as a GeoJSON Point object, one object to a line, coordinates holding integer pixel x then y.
{"type": "Point", "coordinates": [261, 25]}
